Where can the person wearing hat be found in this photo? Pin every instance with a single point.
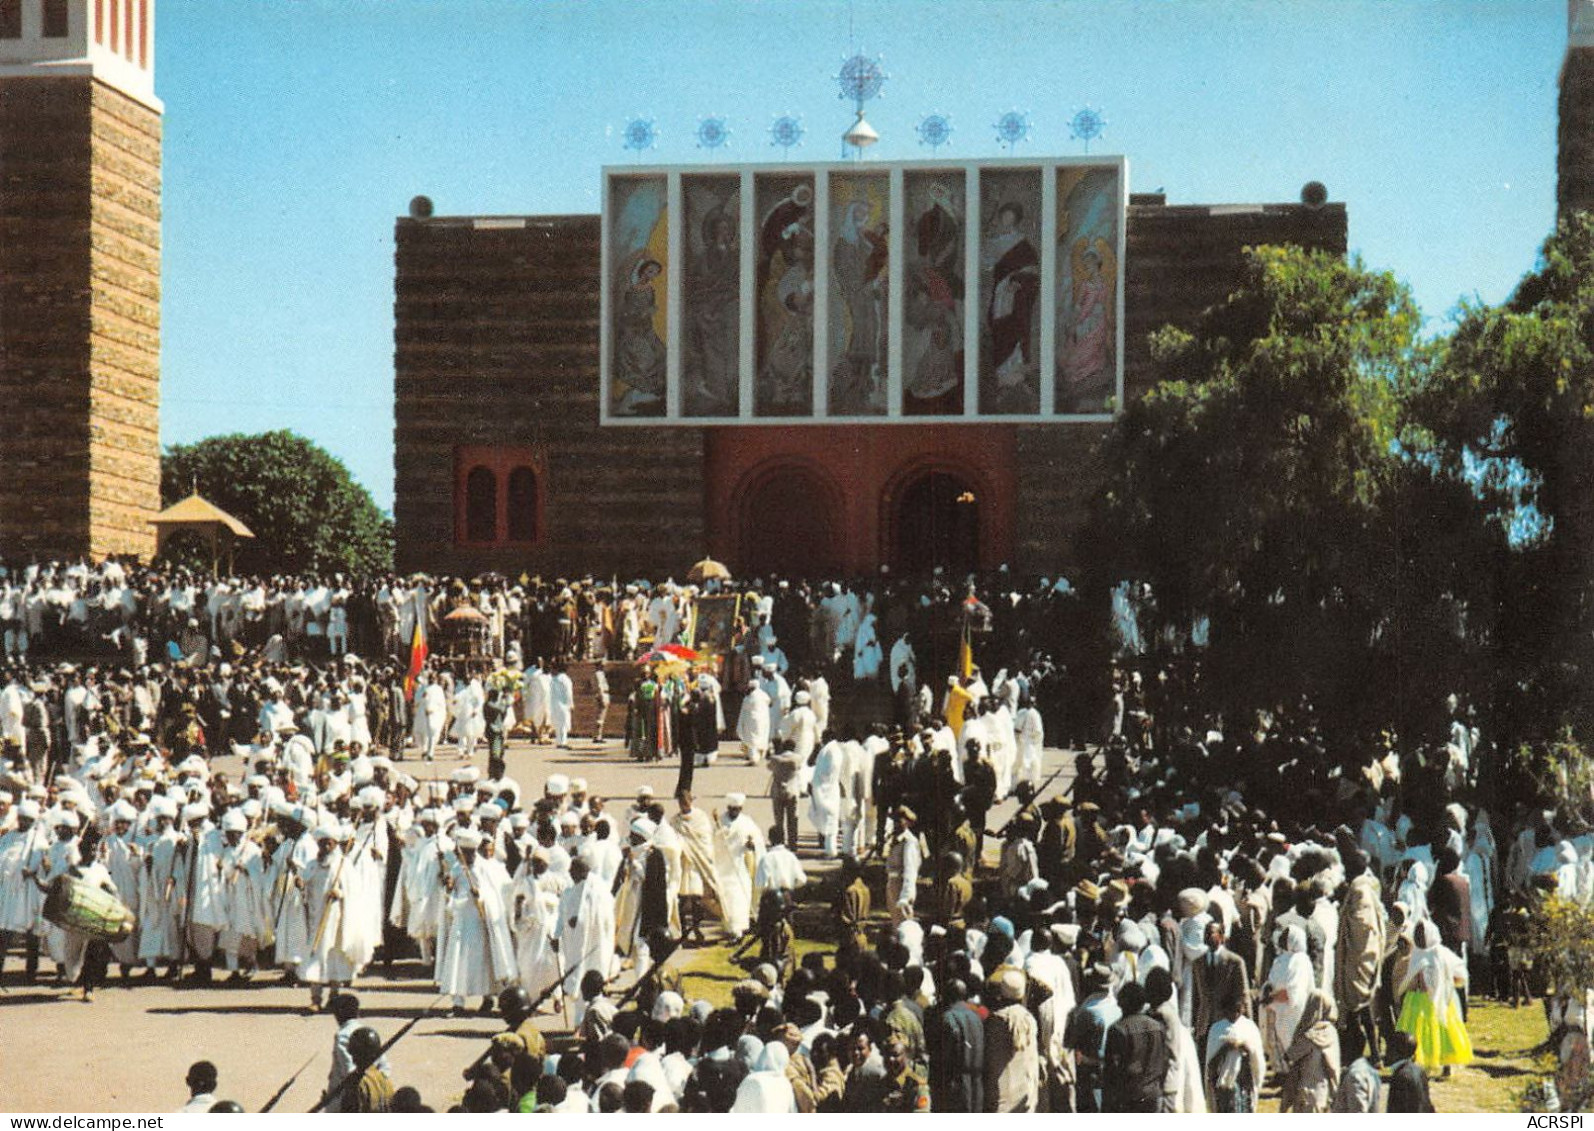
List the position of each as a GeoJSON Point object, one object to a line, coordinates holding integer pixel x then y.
{"type": "Point", "coordinates": [586, 928]}
{"type": "Point", "coordinates": [743, 848]}
{"type": "Point", "coordinates": [21, 853]}
{"type": "Point", "coordinates": [61, 858]}
{"type": "Point", "coordinates": [123, 857]}
{"type": "Point", "coordinates": [904, 856]}
{"type": "Point", "coordinates": [207, 913]}
{"type": "Point", "coordinates": [753, 724]}
{"type": "Point", "coordinates": [243, 896]}
{"type": "Point", "coordinates": [476, 955]}
{"type": "Point", "coordinates": [643, 903]}
{"type": "Point", "coordinates": [161, 892]}
{"type": "Point", "coordinates": [695, 828]}
{"type": "Point", "coordinates": [418, 898]}
{"type": "Point", "coordinates": [1012, 1054]}
{"type": "Point", "coordinates": [327, 886]}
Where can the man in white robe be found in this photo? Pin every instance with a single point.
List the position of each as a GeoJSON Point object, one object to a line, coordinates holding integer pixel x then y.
{"type": "Point", "coordinates": [586, 928]}
{"type": "Point", "coordinates": [740, 846]}
{"type": "Point", "coordinates": [824, 796]}
{"type": "Point", "coordinates": [476, 955]}
{"type": "Point", "coordinates": [536, 690]}
{"type": "Point", "coordinates": [243, 896]}
{"type": "Point", "coordinates": [752, 726]}
{"type": "Point", "coordinates": [802, 726]}
{"type": "Point", "coordinates": [326, 964]}
{"type": "Point", "coordinates": [561, 706]}
{"type": "Point", "coordinates": [1030, 734]}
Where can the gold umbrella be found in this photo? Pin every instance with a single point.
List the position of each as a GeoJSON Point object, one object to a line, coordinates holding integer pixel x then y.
{"type": "Point", "coordinates": [707, 570]}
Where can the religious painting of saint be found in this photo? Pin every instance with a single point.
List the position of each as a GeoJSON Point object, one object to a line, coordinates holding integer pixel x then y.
{"type": "Point", "coordinates": [1010, 287]}
{"type": "Point", "coordinates": [711, 297]}
{"type": "Point", "coordinates": [638, 257]}
{"type": "Point", "coordinates": [1087, 289]}
{"type": "Point", "coordinates": [932, 316]}
{"type": "Point", "coordinates": [783, 345]}
{"type": "Point", "coordinates": [859, 279]}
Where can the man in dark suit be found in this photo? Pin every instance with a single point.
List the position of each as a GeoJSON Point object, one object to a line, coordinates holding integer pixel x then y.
{"type": "Point", "coordinates": [1137, 1057]}
{"type": "Point", "coordinates": [1217, 973]}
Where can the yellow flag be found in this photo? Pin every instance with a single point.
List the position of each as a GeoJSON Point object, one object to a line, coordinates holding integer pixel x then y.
{"type": "Point", "coordinates": [966, 655]}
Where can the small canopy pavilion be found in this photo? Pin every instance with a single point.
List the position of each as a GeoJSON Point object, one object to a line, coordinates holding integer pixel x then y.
{"type": "Point", "coordinates": [218, 529]}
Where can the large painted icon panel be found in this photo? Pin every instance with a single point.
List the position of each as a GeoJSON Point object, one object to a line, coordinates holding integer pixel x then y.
{"type": "Point", "coordinates": [1010, 291]}
{"type": "Point", "coordinates": [711, 296]}
{"type": "Point", "coordinates": [783, 297]}
{"type": "Point", "coordinates": [1087, 289]}
{"type": "Point", "coordinates": [729, 291]}
{"type": "Point", "coordinates": [638, 265]}
{"type": "Point", "coordinates": [860, 260]}
{"type": "Point", "coordinates": [935, 217]}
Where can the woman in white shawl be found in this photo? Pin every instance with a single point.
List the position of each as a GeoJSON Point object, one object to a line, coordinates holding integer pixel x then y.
{"type": "Point", "coordinates": [1289, 983]}
{"type": "Point", "coordinates": [1430, 1009]}
{"type": "Point", "coordinates": [766, 1090]}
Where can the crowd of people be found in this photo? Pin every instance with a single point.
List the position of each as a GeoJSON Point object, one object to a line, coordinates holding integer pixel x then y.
{"type": "Point", "coordinates": [1200, 910]}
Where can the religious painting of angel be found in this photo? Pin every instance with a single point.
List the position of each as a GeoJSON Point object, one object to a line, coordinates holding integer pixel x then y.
{"type": "Point", "coordinates": [932, 312]}
{"type": "Point", "coordinates": [711, 297]}
{"type": "Point", "coordinates": [639, 252]}
{"type": "Point", "coordinates": [1010, 287]}
{"type": "Point", "coordinates": [859, 258]}
{"type": "Point", "coordinates": [784, 299]}
{"type": "Point", "coordinates": [1087, 290]}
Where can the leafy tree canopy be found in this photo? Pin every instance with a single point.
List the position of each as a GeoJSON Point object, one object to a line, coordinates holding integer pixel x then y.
{"type": "Point", "coordinates": [305, 509]}
{"type": "Point", "coordinates": [1263, 485]}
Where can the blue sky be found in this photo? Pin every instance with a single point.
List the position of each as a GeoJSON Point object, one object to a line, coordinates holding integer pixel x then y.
{"type": "Point", "coordinates": [297, 130]}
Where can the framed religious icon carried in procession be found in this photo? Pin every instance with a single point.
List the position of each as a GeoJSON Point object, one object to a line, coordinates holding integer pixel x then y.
{"type": "Point", "coordinates": [714, 623]}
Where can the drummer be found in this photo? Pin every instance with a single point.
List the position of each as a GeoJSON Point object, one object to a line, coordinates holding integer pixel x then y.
{"type": "Point", "coordinates": [95, 959]}
{"type": "Point", "coordinates": [65, 947]}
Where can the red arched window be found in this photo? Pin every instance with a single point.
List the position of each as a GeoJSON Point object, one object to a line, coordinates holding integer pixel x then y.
{"type": "Point", "coordinates": [523, 505]}
{"type": "Point", "coordinates": [499, 495]}
{"type": "Point", "coordinates": [481, 505]}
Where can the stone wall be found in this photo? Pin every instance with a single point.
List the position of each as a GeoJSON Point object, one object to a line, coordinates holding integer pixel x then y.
{"type": "Point", "coordinates": [496, 343]}
{"type": "Point", "coordinates": [79, 319]}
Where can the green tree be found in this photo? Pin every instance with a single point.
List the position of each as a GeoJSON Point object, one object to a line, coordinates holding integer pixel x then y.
{"type": "Point", "coordinates": [305, 509]}
{"type": "Point", "coordinates": [1263, 484]}
{"type": "Point", "coordinates": [1511, 405]}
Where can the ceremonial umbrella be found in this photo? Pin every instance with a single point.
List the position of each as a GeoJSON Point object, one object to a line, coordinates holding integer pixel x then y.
{"type": "Point", "coordinates": [707, 570]}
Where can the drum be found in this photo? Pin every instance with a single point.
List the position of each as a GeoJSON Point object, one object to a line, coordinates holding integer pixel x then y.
{"type": "Point", "coordinates": [74, 905]}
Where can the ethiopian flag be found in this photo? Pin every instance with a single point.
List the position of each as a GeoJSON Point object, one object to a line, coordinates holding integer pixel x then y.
{"type": "Point", "coordinates": [418, 653]}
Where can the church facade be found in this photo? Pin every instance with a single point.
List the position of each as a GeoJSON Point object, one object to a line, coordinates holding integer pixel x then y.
{"type": "Point", "coordinates": [517, 450]}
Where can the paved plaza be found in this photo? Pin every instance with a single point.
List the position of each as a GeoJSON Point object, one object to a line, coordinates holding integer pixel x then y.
{"type": "Point", "coordinates": [127, 1051]}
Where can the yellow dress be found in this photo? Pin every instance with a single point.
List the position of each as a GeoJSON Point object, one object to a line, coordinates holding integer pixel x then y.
{"type": "Point", "coordinates": [1440, 1041]}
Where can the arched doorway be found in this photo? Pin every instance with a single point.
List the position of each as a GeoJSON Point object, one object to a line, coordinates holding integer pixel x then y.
{"type": "Point", "coordinates": [788, 525]}
{"type": "Point", "coordinates": [936, 522]}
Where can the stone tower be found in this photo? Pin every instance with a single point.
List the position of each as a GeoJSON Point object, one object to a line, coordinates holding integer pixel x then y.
{"type": "Point", "coordinates": [80, 216]}
{"type": "Point", "coordinates": [1574, 182]}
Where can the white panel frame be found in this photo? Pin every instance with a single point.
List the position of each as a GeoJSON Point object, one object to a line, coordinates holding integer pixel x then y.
{"type": "Point", "coordinates": [821, 172]}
